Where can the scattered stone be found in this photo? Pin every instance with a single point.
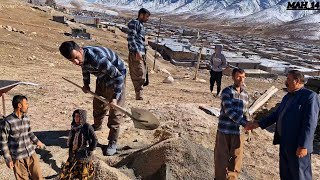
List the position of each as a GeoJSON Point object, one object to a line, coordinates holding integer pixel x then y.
{"type": "Point", "coordinates": [168, 80]}
{"type": "Point", "coordinates": [31, 58]}
{"type": "Point", "coordinates": [187, 76]}
{"type": "Point", "coordinates": [157, 55]}
{"type": "Point", "coordinates": [201, 80]}
{"type": "Point", "coordinates": [162, 134]}
{"type": "Point", "coordinates": [163, 70]}
{"type": "Point", "coordinates": [8, 28]}
{"type": "Point", "coordinates": [152, 72]}
{"type": "Point", "coordinates": [51, 65]}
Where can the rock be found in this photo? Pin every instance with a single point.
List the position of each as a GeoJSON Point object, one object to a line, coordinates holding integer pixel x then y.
{"type": "Point", "coordinates": [31, 58]}
{"type": "Point", "coordinates": [157, 55]}
{"type": "Point", "coordinates": [14, 29]}
{"type": "Point", "coordinates": [168, 80]}
{"type": "Point", "coordinates": [152, 72]}
{"type": "Point", "coordinates": [201, 80]}
{"type": "Point", "coordinates": [51, 65]}
{"type": "Point", "coordinates": [187, 76]}
{"type": "Point", "coordinates": [33, 33]}
{"type": "Point", "coordinates": [162, 134]}
{"type": "Point", "coordinates": [163, 70]}
{"type": "Point", "coordinates": [8, 28]}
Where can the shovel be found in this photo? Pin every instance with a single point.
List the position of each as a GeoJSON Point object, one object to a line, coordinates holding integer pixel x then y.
{"type": "Point", "coordinates": [142, 119]}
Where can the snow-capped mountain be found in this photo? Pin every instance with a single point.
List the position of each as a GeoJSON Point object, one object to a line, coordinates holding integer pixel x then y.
{"type": "Point", "coordinates": [255, 11]}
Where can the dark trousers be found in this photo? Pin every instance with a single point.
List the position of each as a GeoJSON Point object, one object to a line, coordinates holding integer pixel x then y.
{"type": "Point", "coordinates": [294, 168]}
{"type": "Point", "coordinates": [215, 77]}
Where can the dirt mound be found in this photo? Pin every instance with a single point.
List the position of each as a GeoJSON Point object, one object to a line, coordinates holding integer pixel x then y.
{"type": "Point", "coordinates": [175, 158]}
{"type": "Point", "coordinates": [104, 171]}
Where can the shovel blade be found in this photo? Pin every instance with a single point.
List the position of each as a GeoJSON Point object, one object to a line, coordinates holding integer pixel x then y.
{"type": "Point", "coordinates": [144, 119]}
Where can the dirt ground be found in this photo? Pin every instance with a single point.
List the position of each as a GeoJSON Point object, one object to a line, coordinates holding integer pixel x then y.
{"type": "Point", "coordinates": [32, 55]}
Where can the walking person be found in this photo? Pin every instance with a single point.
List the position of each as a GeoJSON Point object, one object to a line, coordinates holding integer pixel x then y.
{"type": "Point", "coordinates": [110, 71]}
{"type": "Point", "coordinates": [218, 63]}
{"type": "Point", "coordinates": [137, 52]}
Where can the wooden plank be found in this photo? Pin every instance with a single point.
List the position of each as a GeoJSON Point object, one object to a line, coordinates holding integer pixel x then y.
{"type": "Point", "coordinates": [263, 99]}
{"type": "Point", "coordinates": [263, 96]}
{"type": "Point", "coordinates": [211, 110]}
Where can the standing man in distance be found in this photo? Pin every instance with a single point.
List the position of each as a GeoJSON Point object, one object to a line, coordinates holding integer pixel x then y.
{"type": "Point", "coordinates": [110, 71]}
{"type": "Point", "coordinates": [296, 119]}
{"type": "Point", "coordinates": [137, 51]}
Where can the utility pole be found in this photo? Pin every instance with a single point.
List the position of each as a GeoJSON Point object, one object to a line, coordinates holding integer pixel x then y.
{"type": "Point", "coordinates": [155, 52]}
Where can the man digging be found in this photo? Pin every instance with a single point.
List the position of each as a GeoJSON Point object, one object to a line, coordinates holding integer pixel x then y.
{"type": "Point", "coordinates": [110, 71]}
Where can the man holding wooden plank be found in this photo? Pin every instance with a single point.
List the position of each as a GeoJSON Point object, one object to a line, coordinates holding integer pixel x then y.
{"type": "Point", "coordinates": [110, 71]}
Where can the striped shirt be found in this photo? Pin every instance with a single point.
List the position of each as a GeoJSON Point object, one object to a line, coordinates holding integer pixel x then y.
{"type": "Point", "coordinates": [234, 106]}
{"type": "Point", "coordinates": [136, 36]}
{"type": "Point", "coordinates": [17, 139]}
{"type": "Point", "coordinates": [106, 65]}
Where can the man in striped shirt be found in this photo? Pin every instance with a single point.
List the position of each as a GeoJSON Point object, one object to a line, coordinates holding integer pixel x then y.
{"type": "Point", "coordinates": [110, 71]}
{"type": "Point", "coordinates": [137, 50]}
{"type": "Point", "coordinates": [228, 152]}
{"type": "Point", "coordinates": [17, 141]}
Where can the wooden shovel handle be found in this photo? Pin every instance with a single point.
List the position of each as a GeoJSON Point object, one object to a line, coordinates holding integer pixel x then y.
{"type": "Point", "coordinates": [104, 100]}
{"type": "Point", "coordinates": [3, 104]}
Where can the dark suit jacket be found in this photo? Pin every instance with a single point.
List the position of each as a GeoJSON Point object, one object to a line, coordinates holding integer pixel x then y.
{"type": "Point", "coordinates": [299, 121]}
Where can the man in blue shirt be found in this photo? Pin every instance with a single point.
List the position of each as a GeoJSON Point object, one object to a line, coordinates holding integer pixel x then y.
{"type": "Point", "coordinates": [228, 151]}
{"type": "Point", "coordinates": [110, 71]}
{"type": "Point", "coordinates": [137, 50]}
{"type": "Point", "coordinates": [296, 120]}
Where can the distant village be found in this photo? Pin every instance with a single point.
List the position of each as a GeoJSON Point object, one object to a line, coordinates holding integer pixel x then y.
{"type": "Point", "coordinates": [262, 58]}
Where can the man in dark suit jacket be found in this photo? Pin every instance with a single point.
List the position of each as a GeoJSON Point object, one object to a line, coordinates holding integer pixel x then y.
{"type": "Point", "coordinates": [296, 120]}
